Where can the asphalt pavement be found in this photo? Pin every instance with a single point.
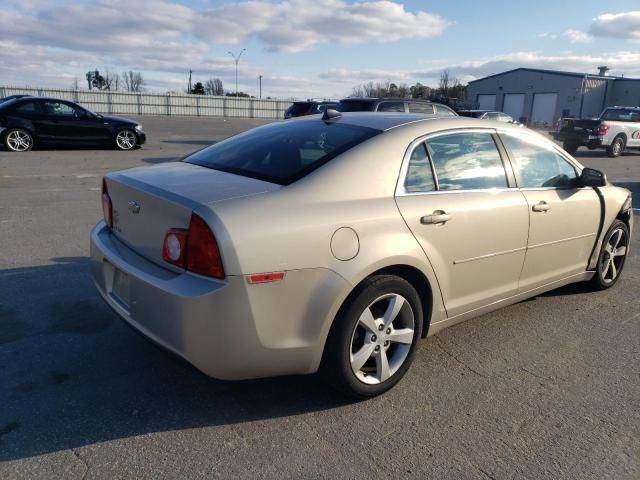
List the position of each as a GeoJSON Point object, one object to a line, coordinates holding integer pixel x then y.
{"type": "Point", "coordinates": [545, 389]}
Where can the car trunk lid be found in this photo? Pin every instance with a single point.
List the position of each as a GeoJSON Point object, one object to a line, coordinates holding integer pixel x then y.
{"type": "Point", "coordinates": [149, 201]}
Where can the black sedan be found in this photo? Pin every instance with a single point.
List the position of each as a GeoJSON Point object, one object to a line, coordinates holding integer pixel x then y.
{"type": "Point", "coordinates": [30, 120]}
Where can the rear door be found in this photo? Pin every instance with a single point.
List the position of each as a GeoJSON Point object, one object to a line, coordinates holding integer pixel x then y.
{"type": "Point", "coordinates": [458, 197]}
{"type": "Point", "coordinates": [564, 220]}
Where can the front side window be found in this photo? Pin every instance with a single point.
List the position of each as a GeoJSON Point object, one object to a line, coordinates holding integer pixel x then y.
{"type": "Point", "coordinates": [416, 107]}
{"type": "Point", "coordinates": [467, 161]}
{"type": "Point", "coordinates": [539, 165]}
{"type": "Point", "coordinates": [419, 176]}
{"type": "Point", "coordinates": [282, 152]}
{"type": "Point", "coordinates": [391, 107]}
{"type": "Point", "coordinates": [59, 109]}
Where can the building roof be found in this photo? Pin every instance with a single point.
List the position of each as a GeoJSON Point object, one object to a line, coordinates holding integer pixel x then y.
{"type": "Point", "coordinates": [554, 72]}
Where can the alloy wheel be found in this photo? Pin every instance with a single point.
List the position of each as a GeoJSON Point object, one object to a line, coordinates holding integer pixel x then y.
{"type": "Point", "coordinates": [615, 250]}
{"type": "Point", "coordinates": [382, 338]}
{"type": "Point", "coordinates": [126, 140]}
{"type": "Point", "coordinates": [19, 141]}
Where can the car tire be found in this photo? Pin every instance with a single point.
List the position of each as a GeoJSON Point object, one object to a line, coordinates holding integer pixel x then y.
{"type": "Point", "coordinates": [126, 139]}
{"type": "Point", "coordinates": [612, 256]}
{"type": "Point", "coordinates": [570, 148]}
{"type": "Point", "coordinates": [18, 140]}
{"type": "Point", "coordinates": [373, 340]}
{"type": "Point", "coordinates": [617, 147]}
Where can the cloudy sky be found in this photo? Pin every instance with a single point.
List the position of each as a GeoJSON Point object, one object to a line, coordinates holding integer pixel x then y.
{"type": "Point", "coordinates": [310, 48]}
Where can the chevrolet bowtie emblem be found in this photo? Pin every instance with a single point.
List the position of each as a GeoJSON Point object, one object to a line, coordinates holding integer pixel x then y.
{"type": "Point", "coordinates": [134, 207]}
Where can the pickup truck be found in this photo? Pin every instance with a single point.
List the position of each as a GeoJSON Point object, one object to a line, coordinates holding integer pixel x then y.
{"type": "Point", "coordinates": [617, 128]}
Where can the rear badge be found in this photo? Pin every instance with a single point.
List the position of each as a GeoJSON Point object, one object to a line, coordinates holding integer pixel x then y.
{"type": "Point", "coordinates": [134, 207]}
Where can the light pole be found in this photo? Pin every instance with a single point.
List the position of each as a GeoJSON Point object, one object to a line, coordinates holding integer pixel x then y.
{"type": "Point", "coordinates": [260, 79]}
{"type": "Point", "coordinates": [237, 59]}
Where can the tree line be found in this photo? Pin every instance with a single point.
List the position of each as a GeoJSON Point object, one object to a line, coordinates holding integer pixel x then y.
{"type": "Point", "coordinates": [448, 88]}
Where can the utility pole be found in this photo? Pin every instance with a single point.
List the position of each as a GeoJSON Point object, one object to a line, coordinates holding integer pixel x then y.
{"type": "Point", "coordinates": [260, 79]}
{"type": "Point", "coordinates": [237, 59]}
{"type": "Point", "coordinates": [189, 87]}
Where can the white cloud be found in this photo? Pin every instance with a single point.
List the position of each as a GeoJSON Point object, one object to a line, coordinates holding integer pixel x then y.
{"type": "Point", "coordinates": [550, 36]}
{"type": "Point", "coordinates": [576, 36]}
{"type": "Point", "coordinates": [617, 25]}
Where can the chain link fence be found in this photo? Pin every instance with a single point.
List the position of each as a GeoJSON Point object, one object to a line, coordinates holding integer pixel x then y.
{"type": "Point", "coordinates": [144, 103]}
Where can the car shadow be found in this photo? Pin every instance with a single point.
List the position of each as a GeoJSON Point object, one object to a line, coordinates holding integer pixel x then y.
{"type": "Point", "coordinates": [75, 375]}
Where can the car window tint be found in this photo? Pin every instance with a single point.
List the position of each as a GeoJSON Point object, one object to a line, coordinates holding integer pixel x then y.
{"type": "Point", "coordinates": [26, 107]}
{"type": "Point", "coordinates": [539, 165]}
{"type": "Point", "coordinates": [415, 107]}
{"type": "Point", "coordinates": [467, 161]}
{"type": "Point", "coordinates": [505, 118]}
{"type": "Point", "coordinates": [419, 176]}
{"type": "Point", "coordinates": [441, 110]}
{"type": "Point", "coordinates": [355, 106]}
{"type": "Point", "coordinates": [282, 152]}
{"type": "Point", "coordinates": [59, 109]}
{"type": "Point", "coordinates": [391, 107]}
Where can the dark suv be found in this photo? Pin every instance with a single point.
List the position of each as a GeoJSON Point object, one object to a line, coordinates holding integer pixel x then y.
{"type": "Point", "coordinates": [405, 105]}
{"type": "Point", "coordinates": [309, 107]}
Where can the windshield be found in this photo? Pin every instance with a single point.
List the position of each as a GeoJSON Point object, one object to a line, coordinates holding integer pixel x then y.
{"type": "Point", "coordinates": [282, 152]}
{"type": "Point", "coordinates": [355, 106]}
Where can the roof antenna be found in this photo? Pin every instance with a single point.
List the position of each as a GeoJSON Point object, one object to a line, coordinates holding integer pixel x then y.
{"type": "Point", "coordinates": [330, 115]}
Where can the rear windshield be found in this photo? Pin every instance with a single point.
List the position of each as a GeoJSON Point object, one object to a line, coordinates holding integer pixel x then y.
{"type": "Point", "coordinates": [282, 152]}
{"type": "Point", "coordinates": [355, 106]}
{"type": "Point", "coordinates": [298, 108]}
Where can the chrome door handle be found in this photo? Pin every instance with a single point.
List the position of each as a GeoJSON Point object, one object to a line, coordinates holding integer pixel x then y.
{"type": "Point", "coordinates": [437, 217]}
{"type": "Point", "coordinates": [541, 206]}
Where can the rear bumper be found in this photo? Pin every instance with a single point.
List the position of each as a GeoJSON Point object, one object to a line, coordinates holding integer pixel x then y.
{"type": "Point", "coordinates": [227, 329]}
{"type": "Point", "coordinates": [579, 140]}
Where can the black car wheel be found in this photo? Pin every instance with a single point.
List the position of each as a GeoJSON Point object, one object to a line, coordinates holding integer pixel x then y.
{"type": "Point", "coordinates": [617, 147]}
{"type": "Point", "coordinates": [18, 140]}
{"type": "Point", "coordinates": [373, 340]}
{"type": "Point", "coordinates": [126, 140]}
{"type": "Point", "coordinates": [570, 147]}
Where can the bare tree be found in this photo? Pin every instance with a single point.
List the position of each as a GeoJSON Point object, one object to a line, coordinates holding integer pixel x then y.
{"type": "Point", "coordinates": [110, 80]}
{"type": "Point", "coordinates": [74, 85]}
{"type": "Point", "coordinates": [381, 89]}
{"type": "Point", "coordinates": [213, 86]}
{"type": "Point", "coordinates": [444, 83]}
{"type": "Point", "coordinates": [133, 81]}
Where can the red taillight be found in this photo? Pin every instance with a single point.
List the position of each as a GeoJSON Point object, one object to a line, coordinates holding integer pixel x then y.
{"type": "Point", "coordinates": [107, 209]}
{"type": "Point", "coordinates": [195, 250]}
{"type": "Point", "coordinates": [603, 130]}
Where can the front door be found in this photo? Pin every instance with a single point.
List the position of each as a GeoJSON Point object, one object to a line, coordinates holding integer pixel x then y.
{"type": "Point", "coordinates": [66, 122]}
{"type": "Point", "coordinates": [564, 220]}
{"type": "Point", "coordinates": [457, 199]}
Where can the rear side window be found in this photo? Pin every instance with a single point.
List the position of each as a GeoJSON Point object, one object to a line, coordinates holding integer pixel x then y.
{"type": "Point", "coordinates": [467, 161]}
{"type": "Point", "coordinates": [446, 111]}
{"type": "Point", "coordinates": [416, 107]}
{"type": "Point", "coordinates": [355, 106]}
{"type": "Point", "coordinates": [539, 165]}
{"type": "Point", "coordinates": [282, 152]}
{"type": "Point", "coordinates": [391, 107]}
{"type": "Point", "coordinates": [299, 108]}
{"type": "Point", "coordinates": [419, 174]}
{"type": "Point", "coordinates": [28, 106]}
{"type": "Point", "coordinates": [622, 115]}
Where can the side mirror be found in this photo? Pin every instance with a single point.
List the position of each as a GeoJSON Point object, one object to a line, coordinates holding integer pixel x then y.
{"type": "Point", "coordinates": [590, 177]}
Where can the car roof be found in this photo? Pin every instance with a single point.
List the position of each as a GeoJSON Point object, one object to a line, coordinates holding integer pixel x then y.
{"type": "Point", "coordinates": [390, 120]}
{"type": "Point", "coordinates": [385, 99]}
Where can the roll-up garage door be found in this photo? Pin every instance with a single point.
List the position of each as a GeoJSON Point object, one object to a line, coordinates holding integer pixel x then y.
{"type": "Point", "coordinates": [514, 104]}
{"type": "Point", "coordinates": [486, 102]}
{"type": "Point", "coordinates": [544, 107]}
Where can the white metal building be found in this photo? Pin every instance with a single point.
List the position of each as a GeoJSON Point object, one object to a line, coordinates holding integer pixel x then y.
{"type": "Point", "coordinates": [540, 97]}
